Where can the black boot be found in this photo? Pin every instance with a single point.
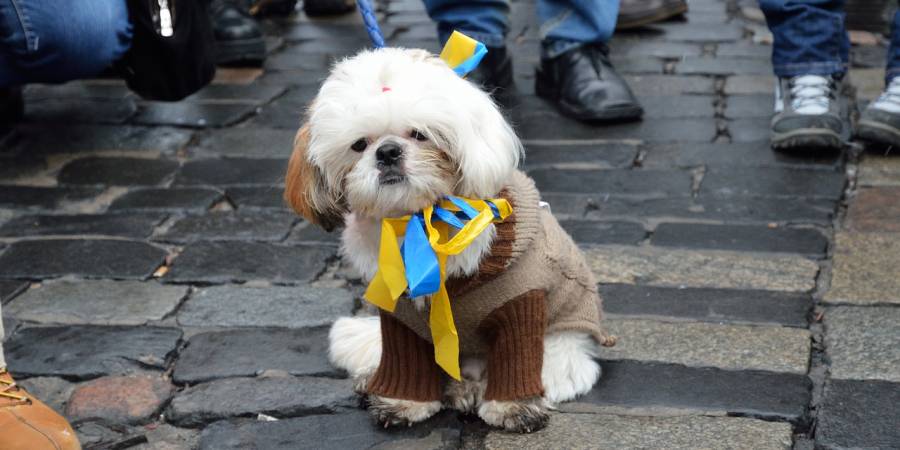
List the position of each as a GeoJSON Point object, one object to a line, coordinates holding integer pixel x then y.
{"type": "Point", "coordinates": [261, 8]}
{"type": "Point", "coordinates": [239, 40]}
{"type": "Point", "coordinates": [584, 86]}
{"type": "Point", "coordinates": [12, 106]}
{"type": "Point", "coordinates": [494, 73]}
{"type": "Point", "coordinates": [328, 7]}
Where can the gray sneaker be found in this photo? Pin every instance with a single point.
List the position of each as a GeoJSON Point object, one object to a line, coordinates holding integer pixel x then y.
{"type": "Point", "coordinates": [880, 122]}
{"type": "Point", "coordinates": [807, 113]}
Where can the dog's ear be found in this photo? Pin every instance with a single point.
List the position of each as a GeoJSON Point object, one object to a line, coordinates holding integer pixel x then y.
{"type": "Point", "coordinates": [305, 188]}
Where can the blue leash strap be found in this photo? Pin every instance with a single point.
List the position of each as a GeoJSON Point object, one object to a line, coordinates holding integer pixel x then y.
{"type": "Point", "coordinates": [371, 22]}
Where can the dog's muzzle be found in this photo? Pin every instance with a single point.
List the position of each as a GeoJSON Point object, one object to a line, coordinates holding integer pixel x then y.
{"type": "Point", "coordinates": [389, 159]}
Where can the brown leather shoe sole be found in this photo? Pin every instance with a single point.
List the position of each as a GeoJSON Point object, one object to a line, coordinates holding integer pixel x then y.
{"type": "Point", "coordinates": [668, 10]}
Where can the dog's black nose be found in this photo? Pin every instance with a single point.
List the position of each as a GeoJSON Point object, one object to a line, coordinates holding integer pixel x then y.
{"type": "Point", "coordinates": [388, 154]}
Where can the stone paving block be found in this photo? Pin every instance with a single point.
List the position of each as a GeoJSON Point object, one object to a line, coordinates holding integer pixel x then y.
{"type": "Point", "coordinates": [546, 124]}
{"type": "Point", "coordinates": [863, 343]}
{"type": "Point", "coordinates": [167, 437]}
{"type": "Point", "coordinates": [69, 110]}
{"type": "Point", "coordinates": [132, 399]}
{"type": "Point", "coordinates": [287, 307]}
{"type": "Point", "coordinates": [246, 397]}
{"type": "Point", "coordinates": [731, 347]}
{"type": "Point", "coordinates": [664, 389]}
{"type": "Point", "coordinates": [675, 106]}
{"type": "Point", "coordinates": [655, 49]}
{"type": "Point", "coordinates": [694, 65]}
{"type": "Point", "coordinates": [197, 115]}
{"type": "Point", "coordinates": [312, 234]}
{"type": "Point", "coordinates": [117, 171]}
{"type": "Point", "coordinates": [136, 225]}
{"type": "Point", "coordinates": [750, 129]}
{"type": "Point", "coordinates": [751, 84]}
{"type": "Point", "coordinates": [580, 431]}
{"type": "Point", "coordinates": [707, 33]}
{"type": "Point", "coordinates": [603, 156]}
{"type": "Point", "coordinates": [648, 86]}
{"type": "Point", "coordinates": [53, 391]}
{"type": "Point", "coordinates": [227, 226]}
{"type": "Point", "coordinates": [43, 197]}
{"type": "Point", "coordinates": [257, 197]}
{"type": "Point", "coordinates": [741, 154]}
{"type": "Point", "coordinates": [710, 268]}
{"type": "Point", "coordinates": [92, 138]}
{"type": "Point", "coordinates": [859, 414]}
{"type": "Point", "coordinates": [252, 93]}
{"type": "Point", "coordinates": [759, 105]}
{"type": "Point", "coordinates": [81, 90]}
{"type": "Point", "coordinates": [9, 289]}
{"type": "Point", "coordinates": [616, 182]}
{"type": "Point", "coordinates": [92, 258]}
{"type": "Point", "coordinates": [232, 171]}
{"type": "Point", "coordinates": [221, 262]}
{"type": "Point", "coordinates": [595, 232]}
{"type": "Point", "coordinates": [773, 182]}
{"type": "Point", "coordinates": [875, 209]}
{"type": "Point", "coordinates": [94, 434]}
{"type": "Point", "coordinates": [879, 171]}
{"type": "Point", "coordinates": [865, 269]}
{"type": "Point", "coordinates": [246, 142]}
{"type": "Point", "coordinates": [176, 199]}
{"type": "Point", "coordinates": [744, 49]}
{"type": "Point", "coordinates": [730, 209]}
{"type": "Point", "coordinates": [756, 238]}
{"type": "Point", "coordinates": [245, 353]}
{"type": "Point", "coordinates": [331, 432]}
{"type": "Point", "coordinates": [706, 305]}
{"type": "Point", "coordinates": [97, 302]}
{"type": "Point", "coordinates": [85, 352]}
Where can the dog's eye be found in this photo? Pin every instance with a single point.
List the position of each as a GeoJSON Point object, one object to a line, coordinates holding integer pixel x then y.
{"type": "Point", "coordinates": [418, 135]}
{"type": "Point", "coordinates": [359, 145]}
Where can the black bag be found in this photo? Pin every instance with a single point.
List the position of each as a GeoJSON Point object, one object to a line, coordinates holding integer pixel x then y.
{"type": "Point", "coordinates": [172, 52]}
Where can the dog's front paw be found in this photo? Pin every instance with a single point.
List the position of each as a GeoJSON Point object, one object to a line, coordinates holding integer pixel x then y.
{"type": "Point", "coordinates": [392, 412]}
{"type": "Point", "coordinates": [465, 395]}
{"type": "Point", "coordinates": [520, 416]}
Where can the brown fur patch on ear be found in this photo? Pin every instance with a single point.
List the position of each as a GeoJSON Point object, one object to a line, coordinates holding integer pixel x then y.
{"type": "Point", "coordinates": [305, 189]}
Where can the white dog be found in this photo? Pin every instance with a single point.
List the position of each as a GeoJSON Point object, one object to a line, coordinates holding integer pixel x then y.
{"type": "Point", "coordinates": [393, 131]}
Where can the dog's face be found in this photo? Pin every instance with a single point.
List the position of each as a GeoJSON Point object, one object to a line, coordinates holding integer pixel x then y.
{"type": "Point", "coordinates": [391, 132]}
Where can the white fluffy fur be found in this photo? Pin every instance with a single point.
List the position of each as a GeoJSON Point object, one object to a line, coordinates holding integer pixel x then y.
{"type": "Point", "coordinates": [569, 367]}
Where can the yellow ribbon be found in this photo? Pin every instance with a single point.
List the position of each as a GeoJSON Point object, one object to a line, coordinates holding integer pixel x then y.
{"type": "Point", "coordinates": [389, 282]}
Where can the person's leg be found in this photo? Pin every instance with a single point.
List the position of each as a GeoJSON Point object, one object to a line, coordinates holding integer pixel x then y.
{"type": "Point", "coordinates": [51, 41]}
{"type": "Point", "coordinates": [810, 57]}
{"type": "Point", "coordinates": [575, 71]}
{"type": "Point", "coordinates": [486, 21]}
{"type": "Point", "coordinates": [567, 24]}
{"type": "Point", "coordinates": [880, 122]}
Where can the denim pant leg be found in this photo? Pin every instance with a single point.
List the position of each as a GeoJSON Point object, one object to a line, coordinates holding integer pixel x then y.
{"type": "Point", "coordinates": [59, 40]}
{"type": "Point", "coordinates": [484, 20]}
{"type": "Point", "coordinates": [893, 56]}
{"type": "Point", "coordinates": [810, 38]}
{"type": "Point", "coordinates": [566, 24]}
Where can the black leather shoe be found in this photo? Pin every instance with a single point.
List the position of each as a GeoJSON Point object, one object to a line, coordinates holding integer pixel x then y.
{"type": "Point", "coordinates": [262, 8]}
{"type": "Point", "coordinates": [12, 106]}
{"type": "Point", "coordinates": [328, 7]}
{"type": "Point", "coordinates": [584, 86]}
{"type": "Point", "coordinates": [494, 73]}
{"type": "Point", "coordinates": [239, 40]}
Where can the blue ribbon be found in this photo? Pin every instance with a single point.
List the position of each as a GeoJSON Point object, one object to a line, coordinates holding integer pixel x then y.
{"type": "Point", "coordinates": [471, 63]}
{"type": "Point", "coordinates": [423, 273]}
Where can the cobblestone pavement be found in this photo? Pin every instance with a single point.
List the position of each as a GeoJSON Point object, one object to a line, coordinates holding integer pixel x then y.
{"type": "Point", "coordinates": [158, 293]}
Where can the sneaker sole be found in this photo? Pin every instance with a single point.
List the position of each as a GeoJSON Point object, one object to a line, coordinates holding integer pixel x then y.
{"type": "Point", "coordinates": [242, 51]}
{"type": "Point", "coordinates": [660, 15]}
{"type": "Point", "coordinates": [878, 133]}
{"type": "Point", "coordinates": [807, 138]}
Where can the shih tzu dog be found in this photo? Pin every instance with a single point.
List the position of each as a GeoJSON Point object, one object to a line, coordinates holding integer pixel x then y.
{"type": "Point", "coordinates": [393, 131]}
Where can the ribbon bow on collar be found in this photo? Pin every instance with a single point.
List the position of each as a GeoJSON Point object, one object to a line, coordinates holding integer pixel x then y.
{"type": "Point", "coordinates": [421, 263]}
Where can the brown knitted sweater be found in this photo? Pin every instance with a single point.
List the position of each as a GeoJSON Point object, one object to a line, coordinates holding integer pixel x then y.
{"type": "Point", "coordinates": [531, 252]}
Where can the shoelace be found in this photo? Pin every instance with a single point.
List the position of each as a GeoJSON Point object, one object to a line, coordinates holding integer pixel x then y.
{"type": "Point", "coordinates": [811, 94]}
{"type": "Point", "coordinates": [890, 98]}
{"type": "Point", "coordinates": [8, 389]}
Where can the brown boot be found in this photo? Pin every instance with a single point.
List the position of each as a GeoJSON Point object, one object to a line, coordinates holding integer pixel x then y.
{"type": "Point", "coordinates": [637, 13]}
{"type": "Point", "coordinates": [28, 424]}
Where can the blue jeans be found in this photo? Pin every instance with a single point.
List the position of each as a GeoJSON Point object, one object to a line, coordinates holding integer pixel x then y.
{"type": "Point", "coordinates": [810, 38]}
{"type": "Point", "coordinates": [565, 24]}
{"type": "Point", "coordinates": [50, 41]}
